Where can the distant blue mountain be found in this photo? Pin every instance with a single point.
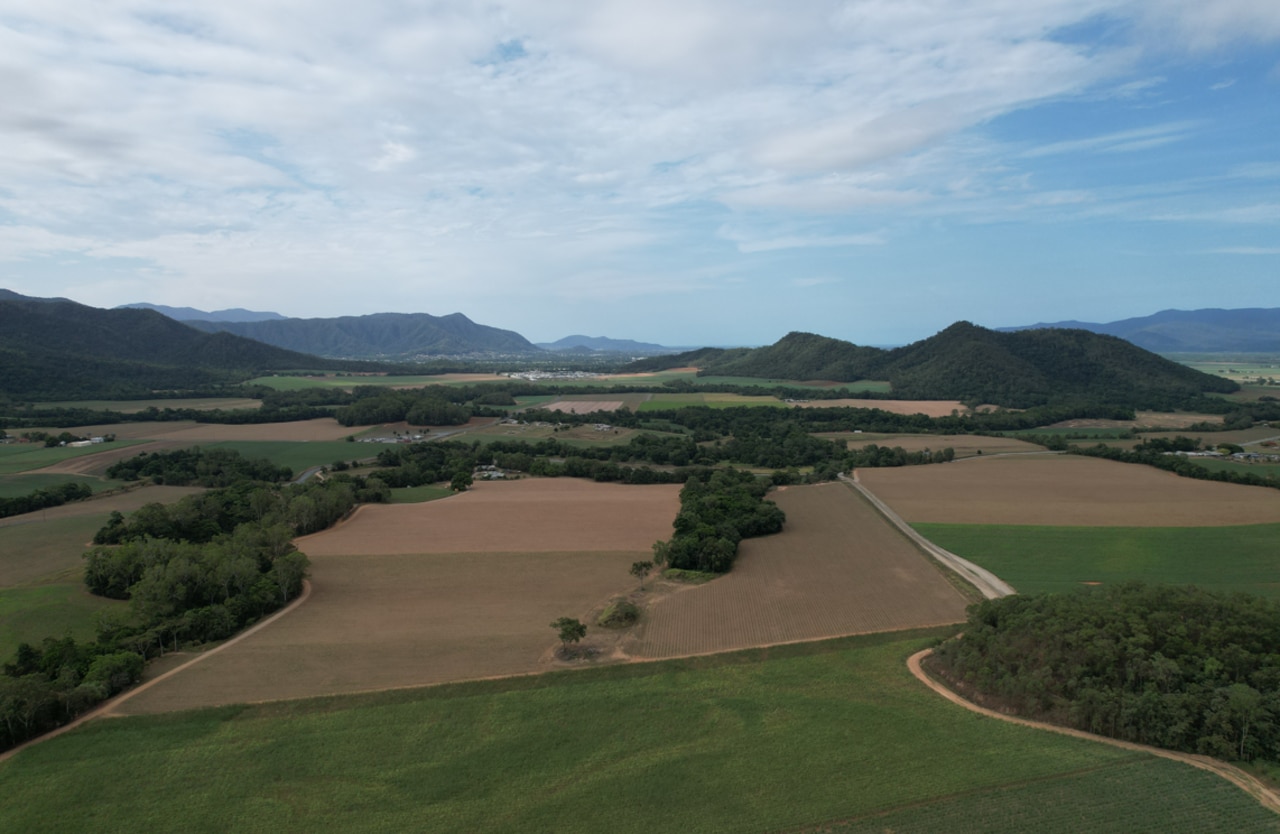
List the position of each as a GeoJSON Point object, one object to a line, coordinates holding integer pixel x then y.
{"type": "Point", "coordinates": [603, 344]}
{"type": "Point", "coordinates": [235, 314]}
{"type": "Point", "coordinates": [1248, 330]}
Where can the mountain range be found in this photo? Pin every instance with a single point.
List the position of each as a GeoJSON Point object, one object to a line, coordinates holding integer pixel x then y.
{"type": "Point", "coordinates": [1248, 330]}
{"type": "Point", "coordinates": [233, 314]}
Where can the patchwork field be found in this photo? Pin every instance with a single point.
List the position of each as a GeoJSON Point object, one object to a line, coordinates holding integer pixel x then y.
{"type": "Point", "coordinates": [663, 402]}
{"type": "Point", "coordinates": [1037, 559]}
{"type": "Point", "coordinates": [833, 736]}
{"type": "Point", "coordinates": [582, 406]}
{"type": "Point", "coordinates": [447, 590]}
{"type": "Point", "coordinates": [837, 568]}
{"type": "Point", "coordinates": [1065, 490]}
{"type": "Point", "coordinates": [32, 457]}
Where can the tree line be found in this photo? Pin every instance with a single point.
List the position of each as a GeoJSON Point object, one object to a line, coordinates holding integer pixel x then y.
{"type": "Point", "coordinates": [54, 496]}
{"type": "Point", "coordinates": [718, 509]}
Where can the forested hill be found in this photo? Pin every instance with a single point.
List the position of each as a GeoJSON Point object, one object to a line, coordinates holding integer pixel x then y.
{"type": "Point", "coordinates": [58, 349]}
{"type": "Point", "coordinates": [972, 364]}
{"type": "Point", "coordinates": [381, 335]}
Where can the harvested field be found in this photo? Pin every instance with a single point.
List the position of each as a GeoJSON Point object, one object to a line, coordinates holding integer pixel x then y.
{"type": "Point", "coordinates": [838, 568]}
{"type": "Point", "coordinates": [931, 408]}
{"type": "Point", "coordinates": [1143, 420]}
{"type": "Point", "coordinates": [125, 502]}
{"type": "Point", "coordinates": [532, 515]}
{"type": "Point", "coordinates": [583, 406]}
{"type": "Point", "coordinates": [964, 445]}
{"type": "Point", "coordinates": [1065, 490]}
{"type": "Point", "coordinates": [460, 588]}
{"type": "Point", "coordinates": [385, 621]}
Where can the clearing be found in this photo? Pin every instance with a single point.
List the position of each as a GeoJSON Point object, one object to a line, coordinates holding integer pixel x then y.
{"type": "Point", "coordinates": [1065, 490]}
{"type": "Point", "coordinates": [837, 568]}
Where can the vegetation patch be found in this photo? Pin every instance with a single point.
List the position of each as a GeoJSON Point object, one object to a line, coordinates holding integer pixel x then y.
{"type": "Point", "coordinates": [1035, 559]}
{"type": "Point", "coordinates": [418, 494]}
{"type": "Point", "coordinates": [31, 613]}
{"type": "Point", "coordinates": [619, 613]}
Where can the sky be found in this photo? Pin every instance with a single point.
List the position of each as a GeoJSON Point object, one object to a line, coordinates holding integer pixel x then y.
{"type": "Point", "coordinates": [687, 172]}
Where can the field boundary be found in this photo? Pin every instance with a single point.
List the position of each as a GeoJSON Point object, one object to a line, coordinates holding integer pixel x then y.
{"type": "Point", "coordinates": [1267, 797]}
{"type": "Point", "coordinates": [105, 709]}
{"type": "Point", "coordinates": [990, 585]}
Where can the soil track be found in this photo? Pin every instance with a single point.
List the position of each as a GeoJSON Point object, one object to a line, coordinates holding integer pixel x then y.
{"type": "Point", "coordinates": [1066, 490]}
{"type": "Point", "coordinates": [838, 568]}
{"type": "Point", "coordinates": [1246, 782]}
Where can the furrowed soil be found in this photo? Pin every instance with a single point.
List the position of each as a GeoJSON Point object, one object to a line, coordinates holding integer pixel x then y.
{"type": "Point", "coordinates": [837, 568]}
{"type": "Point", "coordinates": [964, 445]}
{"type": "Point", "coordinates": [1065, 490]}
{"type": "Point", "coordinates": [455, 589]}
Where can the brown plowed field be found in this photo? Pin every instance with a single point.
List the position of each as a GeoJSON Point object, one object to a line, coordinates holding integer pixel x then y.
{"type": "Point", "coordinates": [1065, 490]}
{"type": "Point", "coordinates": [532, 515]}
{"type": "Point", "coordinates": [933, 408]}
{"type": "Point", "coordinates": [460, 588]}
{"type": "Point", "coordinates": [838, 568]}
{"type": "Point", "coordinates": [964, 445]}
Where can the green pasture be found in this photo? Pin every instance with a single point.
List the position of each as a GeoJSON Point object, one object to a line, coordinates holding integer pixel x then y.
{"type": "Point", "coordinates": [781, 738]}
{"type": "Point", "coordinates": [298, 454]}
{"type": "Point", "coordinates": [1262, 470]}
{"type": "Point", "coordinates": [41, 551]}
{"type": "Point", "coordinates": [23, 457]}
{"type": "Point", "coordinates": [665, 401]}
{"type": "Point", "coordinates": [1034, 559]}
{"type": "Point", "coordinates": [1244, 367]}
{"type": "Point", "coordinates": [31, 613]}
{"type": "Point", "coordinates": [301, 383]}
{"type": "Point", "coordinates": [134, 406]}
{"type": "Point", "coordinates": [418, 494]}
{"type": "Point", "coordinates": [13, 486]}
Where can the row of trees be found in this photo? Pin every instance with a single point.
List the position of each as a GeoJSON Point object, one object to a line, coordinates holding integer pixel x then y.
{"type": "Point", "coordinates": [40, 499]}
{"type": "Point", "coordinates": [1177, 667]}
{"type": "Point", "coordinates": [1161, 453]}
{"type": "Point", "coordinates": [197, 467]}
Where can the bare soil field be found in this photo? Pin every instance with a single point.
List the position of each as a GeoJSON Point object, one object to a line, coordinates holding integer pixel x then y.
{"type": "Point", "coordinates": [931, 408]}
{"type": "Point", "coordinates": [454, 589]}
{"type": "Point", "coordinates": [1065, 490]}
{"type": "Point", "coordinates": [385, 621]}
{"type": "Point", "coordinates": [1143, 420]}
{"type": "Point", "coordinates": [532, 515]}
{"type": "Point", "coordinates": [582, 406]}
{"type": "Point", "coordinates": [964, 445]}
{"type": "Point", "coordinates": [837, 568]}
{"type": "Point", "coordinates": [125, 502]}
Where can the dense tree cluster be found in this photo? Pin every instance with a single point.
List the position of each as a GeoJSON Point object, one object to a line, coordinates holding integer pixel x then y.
{"type": "Point", "coordinates": [429, 406]}
{"type": "Point", "coordinates": [717, 510]}
{"type": "Point", "coordinates": [39, 499]}
{"type": "Point", "coordinates": [1176, 667]}
{"type": "Point", "coordinates": [197, 467]}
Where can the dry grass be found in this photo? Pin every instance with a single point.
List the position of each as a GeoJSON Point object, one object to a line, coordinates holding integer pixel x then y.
{"type": "Point", "coordinates": [1066, 490]}
{"type": "Point", "coordinates": [932, 408]}
{"type": "Point", "coordinates": [838, 568]}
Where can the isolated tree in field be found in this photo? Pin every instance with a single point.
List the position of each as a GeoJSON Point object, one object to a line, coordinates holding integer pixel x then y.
{"type": "Point", "coordinates": [460, 482]}
{"type": "Point", "coordinates": [569, 630]}
{"type": "Point", "coordinates": [640, 570]}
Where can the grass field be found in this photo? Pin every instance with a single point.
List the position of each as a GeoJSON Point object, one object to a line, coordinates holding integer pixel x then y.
{"type": "Point", "coordinates": [780, 739]}
{"type": "Point", "coordinates": [964, 445]}
{"type": "Point", "coordinates": [664, 401]}
{"type": "Point", "coordinates": [1262, 470]}
{"type": "Point", "coordinates": [576, 436]}
{"type": "Point", "coordinates": [23, 457]}
{"type": "Point", "coordinates": [300, 383]}
{"type": "Point", "coordinates": [1035, 559]}
{"type": "Point", "coordinates": [134, 406]}
{"type": "Point", "coordinates": [299, 455]}
{"type": "Point", "coordinates": [12, 486]}
{"type": "Point", "coordinates": [31, 613]}
{"type": "Point", "coordinates": [418, 494]}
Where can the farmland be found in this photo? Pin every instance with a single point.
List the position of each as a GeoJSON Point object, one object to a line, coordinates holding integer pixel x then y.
{"type": "Point", "coordinates": [414, 594]}
{"type": "Point", "coordinates": [838, 568]}
{"type": "Point", "coordinates": [1037, 559]}
{"type": "Point", "coordinates": [757, 740]}
{"type": "Point", "coordinates": [964, 445]}
{"type": "Point", "coordinates": [1065, 490]}
{"type": "Point", "coordinates": [25, 457]}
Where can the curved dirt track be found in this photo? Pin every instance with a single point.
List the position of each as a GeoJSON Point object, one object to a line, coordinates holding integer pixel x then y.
{"type": "Point", "coordinates": [1268, 797]}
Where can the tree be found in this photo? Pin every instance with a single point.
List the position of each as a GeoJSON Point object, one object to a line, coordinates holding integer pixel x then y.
{"type": "Point", "coordinates": [570, 630]}
{"type": "Point", "coordinates": [641, 570]}
{"type": "Point", "coordinates": [460, 482]}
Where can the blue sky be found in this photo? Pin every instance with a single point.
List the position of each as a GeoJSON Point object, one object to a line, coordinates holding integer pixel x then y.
{"type": "Point", "coordinates": [681, 171]}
